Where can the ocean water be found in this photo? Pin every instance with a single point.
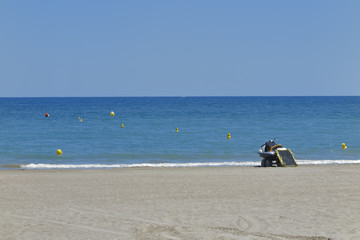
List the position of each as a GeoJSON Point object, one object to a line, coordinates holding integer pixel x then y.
{"type": "Point", "coordinates": [312, 127]}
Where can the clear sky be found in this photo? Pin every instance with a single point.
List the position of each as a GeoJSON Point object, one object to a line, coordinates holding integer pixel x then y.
{"type": "Point", "coordinates": [179, 48]}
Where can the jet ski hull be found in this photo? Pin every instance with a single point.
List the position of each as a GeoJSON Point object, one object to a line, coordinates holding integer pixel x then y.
{"type": "Point", "coordinates": [275, 155]}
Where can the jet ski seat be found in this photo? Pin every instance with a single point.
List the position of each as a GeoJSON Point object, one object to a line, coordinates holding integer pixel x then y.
{"type": "Point", "coordinates": [274, 147]}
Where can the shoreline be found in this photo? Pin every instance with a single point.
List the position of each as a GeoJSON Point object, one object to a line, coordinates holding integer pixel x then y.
{"type": "Point", "coordinates": [304, 202]}
{"type": "Point", "coordinates": [44, 166]}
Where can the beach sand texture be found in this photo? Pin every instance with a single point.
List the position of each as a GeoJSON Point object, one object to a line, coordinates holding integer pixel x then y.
{"type": "Point", "coordinates": [306, 202]}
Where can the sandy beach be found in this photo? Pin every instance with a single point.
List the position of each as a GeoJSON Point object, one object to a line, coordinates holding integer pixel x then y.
{"type": "Point", "coordinates": [306, 202]}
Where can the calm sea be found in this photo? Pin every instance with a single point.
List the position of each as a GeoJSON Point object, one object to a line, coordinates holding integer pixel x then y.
{"type": "Point", "coordinates": [314, 128]}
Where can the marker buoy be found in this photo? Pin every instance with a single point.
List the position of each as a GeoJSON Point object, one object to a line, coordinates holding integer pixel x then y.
{"type": "Point", "coordinates": [343, 146]}
{"type": "Point", "coordinates": [176, 130]}
{"type": "Point", "coordinates": [228, 136]}
{"type": "Point", "coordinates": [112, 114]}
{"type": "Point", "coordinates": [59, 152]}
{"type": "Point", "coordinates": [47, 115]}
{"type": "Point", "coordinates": [122, 125]}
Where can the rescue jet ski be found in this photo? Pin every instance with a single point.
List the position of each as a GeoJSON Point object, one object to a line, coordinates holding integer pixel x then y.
{"type": "Point", "coordinates": [275, 155]}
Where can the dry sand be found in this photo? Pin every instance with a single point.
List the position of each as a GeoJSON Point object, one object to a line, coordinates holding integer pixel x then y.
{"type": "Point", "coordinates": [306, 202]}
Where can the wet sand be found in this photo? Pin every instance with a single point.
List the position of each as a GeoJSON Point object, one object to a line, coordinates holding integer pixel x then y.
{"type": "Point", "coordinates": [306, 202]}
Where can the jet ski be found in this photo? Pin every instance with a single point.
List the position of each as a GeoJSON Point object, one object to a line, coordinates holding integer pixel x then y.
{"type": "Point", "coordinates": [275, 155]}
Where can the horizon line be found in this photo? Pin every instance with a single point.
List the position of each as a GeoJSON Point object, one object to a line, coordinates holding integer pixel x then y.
{"type": "Point", "coordinates": [190, 96]}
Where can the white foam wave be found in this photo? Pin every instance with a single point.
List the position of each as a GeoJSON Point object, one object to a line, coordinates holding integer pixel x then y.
{"type": "Point", "coordinates": [326, 162]}
{"type": "Point", "coordinates": [159, 165]}
{"type": "Point", "coordinates": [74, 166]}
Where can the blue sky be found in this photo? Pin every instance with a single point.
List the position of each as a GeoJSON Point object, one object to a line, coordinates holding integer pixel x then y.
{"type": "Point", "coordinates": [179, 48]}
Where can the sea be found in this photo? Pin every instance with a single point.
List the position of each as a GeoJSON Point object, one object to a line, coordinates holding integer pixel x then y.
{"type": "Point", "coordinates": [175, 131]}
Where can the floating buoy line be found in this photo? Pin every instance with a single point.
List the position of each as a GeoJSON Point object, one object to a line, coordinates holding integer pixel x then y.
{"type": "Point", "coordinates": [112, 114]}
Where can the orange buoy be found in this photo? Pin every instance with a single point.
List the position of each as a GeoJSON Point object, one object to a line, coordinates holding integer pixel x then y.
{"type": "Point", "coordinates": [47, 115]}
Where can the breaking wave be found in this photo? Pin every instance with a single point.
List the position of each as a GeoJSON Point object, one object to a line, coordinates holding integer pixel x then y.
{"type": "Point", "coordinates": [159, 165]}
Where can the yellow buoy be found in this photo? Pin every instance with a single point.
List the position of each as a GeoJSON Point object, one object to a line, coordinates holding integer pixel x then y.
{"type": "Point", "coordinates": [59, 152]}
{"type": "Point", "coordinates": [228, 136]}
{"type": "Point", "coordinates": [80, 119]}
{"type": "Point", "coordinates": [343, 146]}
{"type": "Point", "coordinates": [112, 114]}
{"type": "Point", "coordinates": [122, 125]}
{"type": "Point", "coordinates": [176, 130]}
